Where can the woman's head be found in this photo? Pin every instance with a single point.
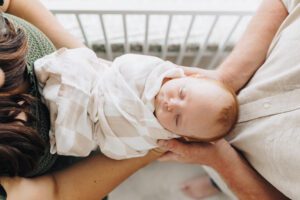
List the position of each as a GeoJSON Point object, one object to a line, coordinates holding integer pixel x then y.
{"type": "Point", "coordinates": [13, 50]}
{"type": "Point", "coordinates": [20, 145]}
{"type": "Point", "coordinates": [197, 108]}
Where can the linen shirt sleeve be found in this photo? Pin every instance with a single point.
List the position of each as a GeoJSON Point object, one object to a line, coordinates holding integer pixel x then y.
{"type": "Point", "coordinates": [290, 4]}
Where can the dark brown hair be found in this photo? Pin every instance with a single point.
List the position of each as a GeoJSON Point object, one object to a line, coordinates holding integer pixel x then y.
{"type": "Point", "coordinates": [228, 115]}
{"type": "Point", "coordinates": [20, 145]}
{"type": "Point", "coordinates": [13, 51]}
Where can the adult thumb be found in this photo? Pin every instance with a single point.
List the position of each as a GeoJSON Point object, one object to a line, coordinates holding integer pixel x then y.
{"type": "Point", "coordinates": [174, 146]}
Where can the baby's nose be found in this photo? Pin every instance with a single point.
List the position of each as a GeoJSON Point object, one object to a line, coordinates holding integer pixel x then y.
{"type": "Point", "coordinates": [171, 105]}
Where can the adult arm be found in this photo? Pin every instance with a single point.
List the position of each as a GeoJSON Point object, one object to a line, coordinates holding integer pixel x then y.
{"type": "Point", "coordinates": [91, 179]}
{"type": "Point", "coordinates": [240, 177]}
{"type": "Point", "coordinates": [251, 50]}
{"type": "Point", "coordinates": [35, 12]}
{"type": "Point", "coordinates": [248, 55]}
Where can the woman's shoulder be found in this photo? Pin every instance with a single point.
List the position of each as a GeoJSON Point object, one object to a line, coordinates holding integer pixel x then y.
{"type": "Point", "coordinates": [38, 46]}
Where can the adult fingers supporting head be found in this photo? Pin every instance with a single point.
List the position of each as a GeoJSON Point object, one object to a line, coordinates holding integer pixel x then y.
{"type": "Point", "coordinates": [158, 151]}
{"type": "Point", "coordinates": [202, 73]}
{"type": "Point", "coordinates": [170, 156]}
{"type": "Point", "coordinates": [197, 153]}
{"type": "Point", "coordinates": [179, 152]}
{"type": "Point", "coordinates": [173, 146]}
{"type": "Point", "coordinates": [191, 70]}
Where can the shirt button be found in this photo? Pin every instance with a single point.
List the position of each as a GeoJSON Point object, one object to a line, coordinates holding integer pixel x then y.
{"type": "Point", "coordinates": [267, 105]}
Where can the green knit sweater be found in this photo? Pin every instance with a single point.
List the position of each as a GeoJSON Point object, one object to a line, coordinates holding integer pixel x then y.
{"type": "Point", "coordinates": [39, 46]}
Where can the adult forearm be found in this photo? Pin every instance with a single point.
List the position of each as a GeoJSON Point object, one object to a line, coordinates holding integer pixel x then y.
{"type": "Point", "coordinates": [90, 179]}
{"type": "Point", "coordinates": [34, 12]}
{"type": "Point", "coordinates": [251, 50]}
{"type": "Point", "coordinates": [243, 180]}
{"type": "Point", "coordinates": [96, 177]}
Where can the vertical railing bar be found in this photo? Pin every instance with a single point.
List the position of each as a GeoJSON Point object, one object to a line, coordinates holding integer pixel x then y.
{"type": "Point", "coordinates": [165, 47]}
{"type": "Point", "coordinates": [183, 47]}
{"type": "Point", "coordinates": [107, 43]}
{"type": "Point", "coordinates": [126, 45]}
{"type": "Point", "coordinates": [81, 29]}
{"type": "Point", "coordinates": [206, 39]}
{"type": "Point", "coordinates": [145, 47]}
{"type": "Point", "coordinates": [223, 45]}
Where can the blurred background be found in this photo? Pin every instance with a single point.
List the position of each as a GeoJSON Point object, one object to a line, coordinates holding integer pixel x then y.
{"type": "Point", "coordinates": [188, 32]}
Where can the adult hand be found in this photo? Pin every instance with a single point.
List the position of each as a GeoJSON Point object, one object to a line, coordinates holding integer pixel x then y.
{"type": "Point", "coordinates": [202, 73]}
{"type": "Point", "coordinates": [216, 74]}
{"type": "Point", "coordinates": [210, 154]}
{"type": "Point", "coordinates": [158, 151]}
{"type": "Point", "coordinates": [222, 74]}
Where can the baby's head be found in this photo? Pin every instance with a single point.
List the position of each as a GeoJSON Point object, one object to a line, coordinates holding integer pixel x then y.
{"type": "Point", "coordinates": [196, 108]}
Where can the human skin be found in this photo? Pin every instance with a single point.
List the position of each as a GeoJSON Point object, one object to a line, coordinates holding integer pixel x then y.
{"type": "Point", "coordinates": [191, 107]}
{"type": "Point", "coordinates": [248, 55]}
{"type": "Point", "coordinates": [97, 175]}
{"type": "Point", "coordinates": [251, 50]}
{"type": "Point", "coordinates": [245, 182]}
{"type": "Point", "coordinates": [34, 12]}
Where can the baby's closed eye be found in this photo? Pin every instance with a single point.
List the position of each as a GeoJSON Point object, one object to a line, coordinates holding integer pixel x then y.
{"type": "Point", "coordinates": [182, 92]}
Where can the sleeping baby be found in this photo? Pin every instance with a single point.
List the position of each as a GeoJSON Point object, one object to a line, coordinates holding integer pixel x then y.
{"type": "Point", "coordinates": [123, 107]}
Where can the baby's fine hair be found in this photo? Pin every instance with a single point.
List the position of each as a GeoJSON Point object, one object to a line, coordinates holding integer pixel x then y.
{"type": "Point", "coordinates": [229, 114]}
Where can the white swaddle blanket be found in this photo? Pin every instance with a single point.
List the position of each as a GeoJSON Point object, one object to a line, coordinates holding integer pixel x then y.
{"type": "Point", "coordinates": [94, 102]}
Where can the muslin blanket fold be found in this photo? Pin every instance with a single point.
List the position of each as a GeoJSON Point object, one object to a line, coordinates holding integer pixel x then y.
{"type": "Point", "coordinates": [94, 102]}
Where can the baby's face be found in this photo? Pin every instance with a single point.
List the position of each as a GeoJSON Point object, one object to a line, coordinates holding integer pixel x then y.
{"type": "Point", "coordinates": [190, 106]}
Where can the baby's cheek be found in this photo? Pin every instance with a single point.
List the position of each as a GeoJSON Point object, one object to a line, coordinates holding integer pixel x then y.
{"type": "Point", "coordinates": [158, 116]}
{"type": "Point", "coordinates": [166, 122]}
{"type": "Point", "coordinates": [161, 118]}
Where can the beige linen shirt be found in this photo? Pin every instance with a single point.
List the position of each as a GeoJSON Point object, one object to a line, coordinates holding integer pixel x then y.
{"type": "Point", "coordinates": [268, 129]}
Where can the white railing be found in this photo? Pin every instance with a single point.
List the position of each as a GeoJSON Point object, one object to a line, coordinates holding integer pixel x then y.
{"type": "Point", "coordinates": [197, 53]}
